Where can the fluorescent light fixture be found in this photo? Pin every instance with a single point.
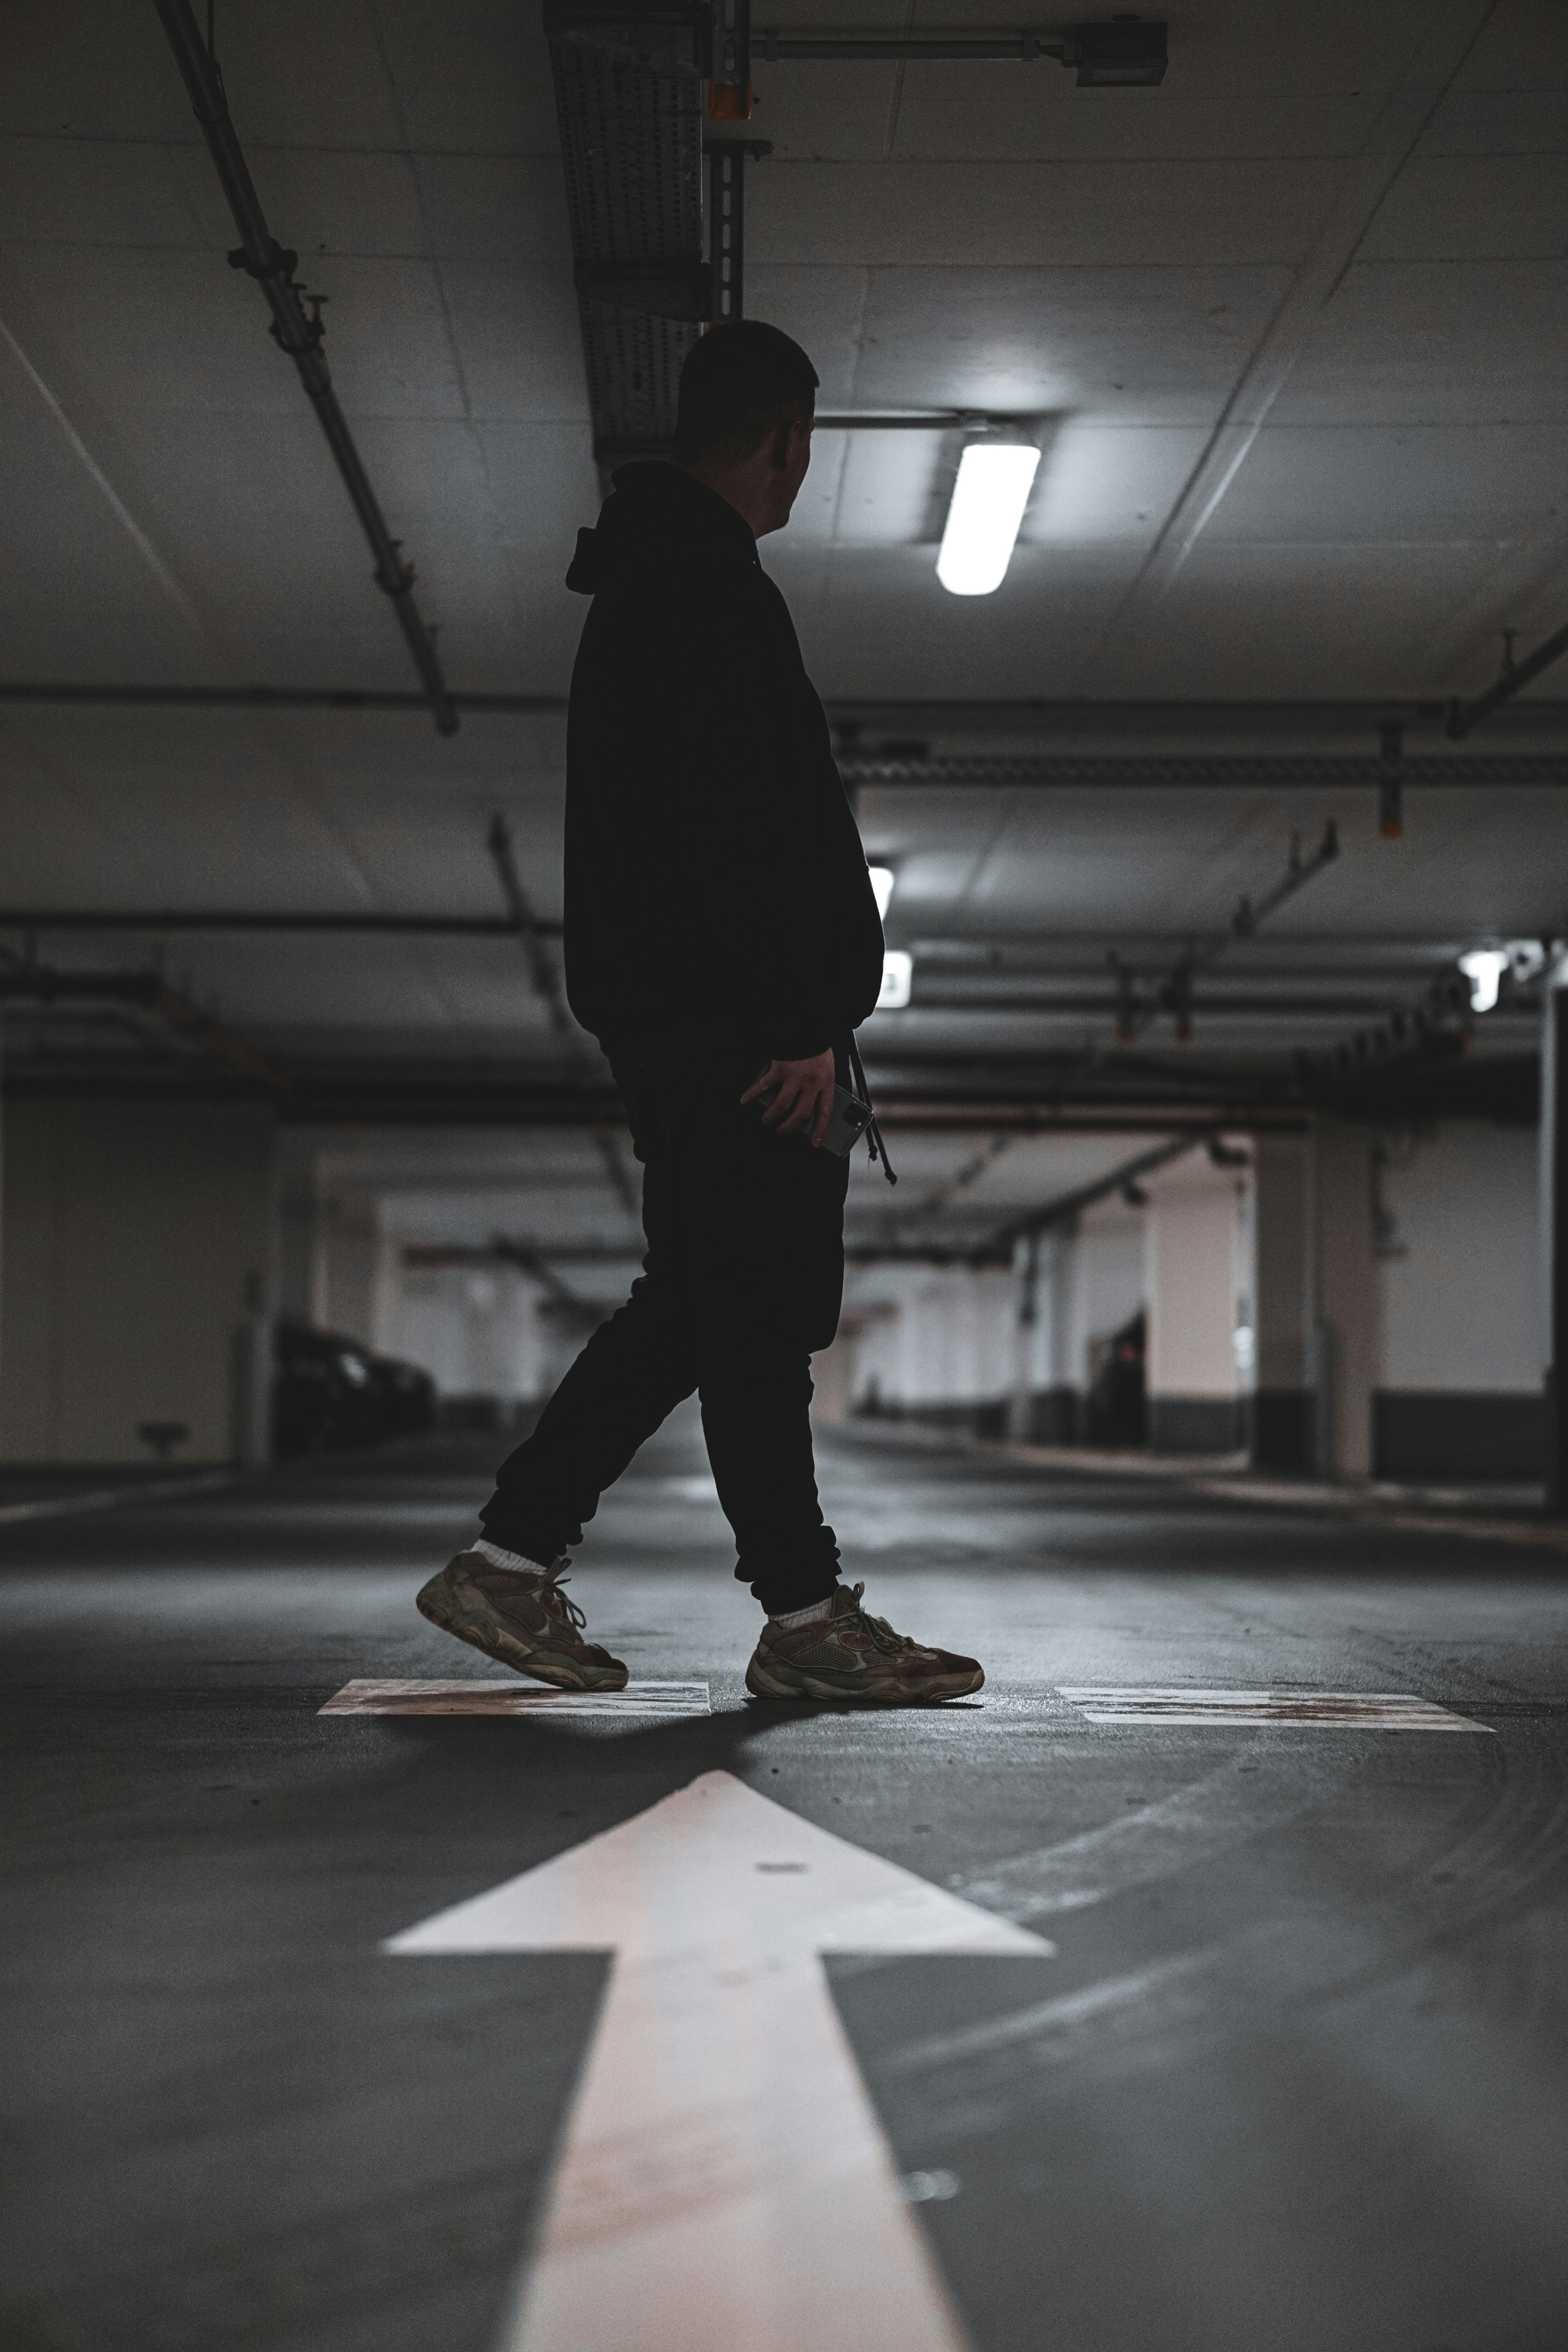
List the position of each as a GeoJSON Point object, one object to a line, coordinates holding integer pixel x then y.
{"type": "Point", "coordinates": [1484, 968]}
{"type": "Point", "coordinates": [882, 879]}
{"type": "Point", "coordinates": [995, 478]}
{"type": "Point", "coordinates": [898, 978]}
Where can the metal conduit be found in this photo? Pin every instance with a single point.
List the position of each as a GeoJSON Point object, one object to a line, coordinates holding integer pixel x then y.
{"type": "Point", "coordinates": [1463, 716]}
{"type": "Point", "coordinates": [272, 267]}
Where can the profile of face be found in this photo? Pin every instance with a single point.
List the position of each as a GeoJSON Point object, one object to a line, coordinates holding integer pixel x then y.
{"type": "Point", "coordinates": [788, 457]}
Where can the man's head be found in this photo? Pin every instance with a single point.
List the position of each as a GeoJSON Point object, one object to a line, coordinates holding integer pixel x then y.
{"type": "Point", "coordinates": [747, 396]}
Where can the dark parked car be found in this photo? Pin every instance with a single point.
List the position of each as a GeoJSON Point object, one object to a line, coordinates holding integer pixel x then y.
{"type": "Point", "coordinates": [328, 1392]}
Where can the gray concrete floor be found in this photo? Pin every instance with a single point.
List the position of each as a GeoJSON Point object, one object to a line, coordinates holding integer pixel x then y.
{"type": "Point", "coordinates": [1297, 2077]}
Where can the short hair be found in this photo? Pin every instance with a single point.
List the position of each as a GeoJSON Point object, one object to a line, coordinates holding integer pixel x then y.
{"type": "Point", "coordinates": [739, 386]}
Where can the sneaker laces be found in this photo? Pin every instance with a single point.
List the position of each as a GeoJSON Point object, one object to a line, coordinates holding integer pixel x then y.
{"type": "Point", "coordinates": [880, 1632]}
{"type": "Point", "coordinates": [559, 1604]}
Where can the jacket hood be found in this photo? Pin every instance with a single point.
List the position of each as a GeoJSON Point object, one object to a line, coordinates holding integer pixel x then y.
{"type": "Point", "coordinates": [658, 518]}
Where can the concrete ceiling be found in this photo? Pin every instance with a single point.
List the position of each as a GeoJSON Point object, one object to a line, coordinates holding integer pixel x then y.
{"type": "Point", "coordinates": [1293, 324]}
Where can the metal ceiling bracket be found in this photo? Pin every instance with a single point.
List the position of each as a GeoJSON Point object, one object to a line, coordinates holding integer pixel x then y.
{"type": "Point", "coordinates": [273, 266]}
{"type": "Point", "coordinates": [1390, 791]}
{"type": "Point", "coordinates": [1463, 716]}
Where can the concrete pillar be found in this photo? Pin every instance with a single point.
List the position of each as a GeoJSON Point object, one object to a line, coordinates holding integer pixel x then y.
{"type": "Point", "coordinates": [137, 1282]}
{"type": "Point", "coordinates": [1026, 1327]}
{"type": "Point", "coordinates": [1283, 1437]}
{"type": "Point", "coordinates": [1198, 1277]}
{"type": "Point", "coordinates": [359, 1270]}
{"type": "Point", "coordinates": [1348, 1339]}
{"type": "Point", "coordinates": [301, 1272]}
{"type": "Point", "coordinates": [1055, 1410]}
{"type": "Point", "coordinates": [1553, 1234]}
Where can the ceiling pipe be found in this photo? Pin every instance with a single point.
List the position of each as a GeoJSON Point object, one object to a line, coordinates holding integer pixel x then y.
{"type": "Point", "coordinates": [1463, 716]}
{"type": "Point", "coordinates": [1085, 1196]}
{"type": "Point", "coordinates": [1174, 993]}
{"type": "Point", "coordinates": [1079, 1005]}
{"type": "Point", "coordinates": [259, 254]}
{"type": "Point", "coordinates": [506, 1251]}
{"type": "Point", "coordinates": [70, 694]}
{"type": "Point", "coordinates": [38, 984]}
{"type": "Point", "coordinates": [114, 919]}
{"type": "Point", "coordinates": [852, 719]}
{"type": "Point", "coordinates": [909, 767]}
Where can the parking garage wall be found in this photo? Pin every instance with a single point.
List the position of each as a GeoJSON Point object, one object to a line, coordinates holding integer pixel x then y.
{"type": "Point", "coordinates": [1354, 1302]}
{"type": "Point", "coordinates": [944, 1352]}
{"type": "Point", "coordinates": [136, 1281]}
{"type": "Point", "coordinates": [945, 1346]}
{"type": "Point", "coordinates": [1460, 1392]}
{"type": "Point", "coordinates": [478, 1332]}
{"type": "Point", "coordinates": [1199, 1281]}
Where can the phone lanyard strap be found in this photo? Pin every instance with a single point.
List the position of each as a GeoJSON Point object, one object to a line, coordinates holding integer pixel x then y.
{"type": "Point", "coordinates": [874, 1143]}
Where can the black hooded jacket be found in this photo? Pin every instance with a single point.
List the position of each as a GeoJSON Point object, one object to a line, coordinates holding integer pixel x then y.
{"type": "Point", "coordinates": [716, 886]}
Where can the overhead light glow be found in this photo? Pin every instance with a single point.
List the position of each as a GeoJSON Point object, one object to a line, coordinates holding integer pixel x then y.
{"type": "Point", "coordinates": [898, 978]}
{"type": "Point", "coordinates": [881, 887]}
{"type": "Point", "coordinates": [1484, 968]}
{"type": "Point", "coordinates": [989, 497]}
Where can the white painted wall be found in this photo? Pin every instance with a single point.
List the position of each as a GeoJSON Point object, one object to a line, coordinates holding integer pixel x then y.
{"type": "Point", "coordinates": [949, 1340]}
{"type": "Point", "coordinates": [357, 1289]}
{"type": "Point", "coordinates": [1089, 1284]}
{"type": "Point", "coordinates": [1198, 1278]}
{"type": "Point", "coordinates": [478, 1332]}
{"type": "Point", "coordinates": [1463, 1308]}
{"type": "Point", "coordinates": [1108, 1287]}
{"type": "Point", "coordinates": [138, 1250]}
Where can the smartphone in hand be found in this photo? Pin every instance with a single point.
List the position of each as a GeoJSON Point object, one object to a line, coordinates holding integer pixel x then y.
{"type": "Point", "coordinates": [850, 1119]}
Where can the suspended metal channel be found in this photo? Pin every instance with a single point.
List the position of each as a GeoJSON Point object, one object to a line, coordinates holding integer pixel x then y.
{"type": "Point", "coordinates": [631, 97]}
{"type": "Point", "coordinates": [656, 201]}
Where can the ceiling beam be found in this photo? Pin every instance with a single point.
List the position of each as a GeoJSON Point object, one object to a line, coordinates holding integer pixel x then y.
{"type": "Point", "coordinates": [911, 724]}
{"type": "Point", "coordinates": [213, 918]}
{"type": "Point", "coordinates": [905, 767]}
{"type": "Point", "coordinates": [37, 984]}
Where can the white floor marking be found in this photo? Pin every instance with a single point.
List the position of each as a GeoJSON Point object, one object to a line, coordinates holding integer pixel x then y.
{"type": "Point", "coordinates": [109, 1498]}
{"type": "Point", "coordinates": [1226, 1807]}
{"type": "Point", "coordinates": [700, 1489]}
{"type": "Point", "coordinates": [1353, 1710]}
{"type": "Point", "coordinates": [514, 1697]}
{"type": "Point", "coordinates": [1047, 2021]}
{"type": "Point", "coordinates": [724, 2185]}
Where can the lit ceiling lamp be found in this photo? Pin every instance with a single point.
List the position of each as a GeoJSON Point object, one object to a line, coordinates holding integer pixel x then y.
{"type": "Point", "coordinates": [897, 980]}
{"type": "Point", "coordinates": [995, 478]}
{"type": "Point", "coordinates": [1484, 968]}
{"type": "Point", "coordinates": [882, 879]}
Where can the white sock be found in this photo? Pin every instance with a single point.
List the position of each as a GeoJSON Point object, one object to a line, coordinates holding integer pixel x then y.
{"type": "Point", "coordinates": [818, 1611]}
{"type": "Point", "coordinates": [498, 1558]}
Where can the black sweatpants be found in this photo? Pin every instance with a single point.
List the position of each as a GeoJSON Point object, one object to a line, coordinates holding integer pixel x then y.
{"type": "Point", "coordinates": [742, 1284]}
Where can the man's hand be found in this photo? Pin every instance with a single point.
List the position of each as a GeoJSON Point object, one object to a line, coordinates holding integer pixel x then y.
{"type": "Point", "coordinates": [804, 1095]}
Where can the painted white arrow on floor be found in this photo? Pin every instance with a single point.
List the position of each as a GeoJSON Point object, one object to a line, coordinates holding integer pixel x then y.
{"type": "Point", "coordinates": [724, 2185]}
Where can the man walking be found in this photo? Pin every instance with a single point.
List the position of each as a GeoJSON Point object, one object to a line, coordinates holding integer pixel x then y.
{"type": "Point", "coordinates": [722, 943]}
